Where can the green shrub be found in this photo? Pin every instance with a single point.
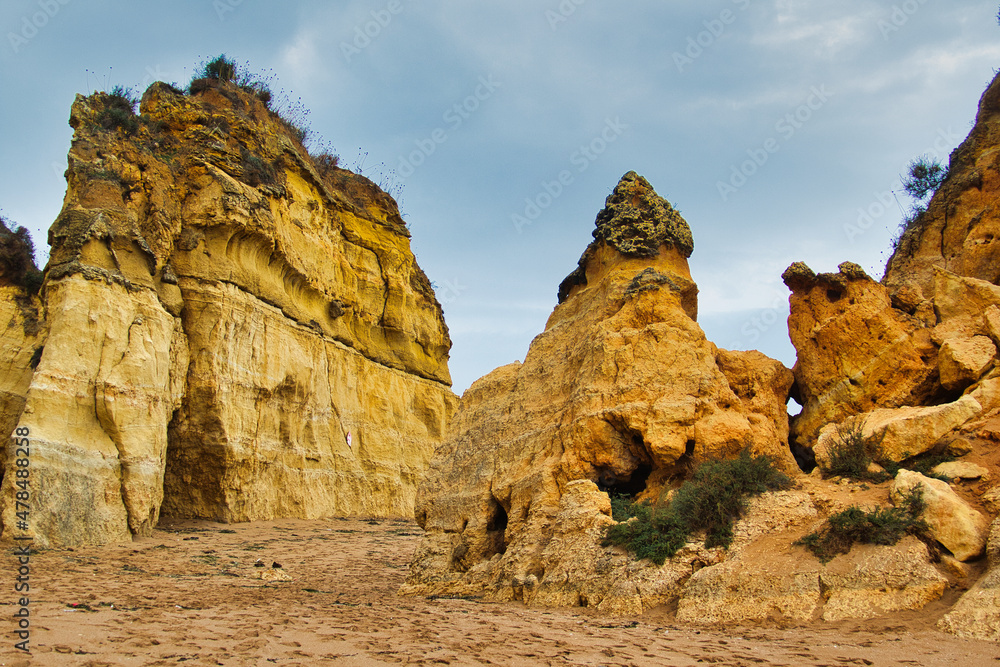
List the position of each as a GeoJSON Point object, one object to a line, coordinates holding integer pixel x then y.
{"type": "Point", "coordinates": [220, 67]}
{"type": "Point", "coordinates": [852, 453]}
{"type": "Point", "coordinates": [119, 111]}
{"type": "Point", "coordinates": [887, 525]}
{"type": "Point", "coordinates": [17, 257]}
{"type": "Point", "coordinates": [924, 177]}
{"type": "Point", "coordinates": [710, 501]}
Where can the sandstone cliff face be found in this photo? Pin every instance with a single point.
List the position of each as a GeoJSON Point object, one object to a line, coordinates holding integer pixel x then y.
{"type": "Point", "coordinates": [960, 231]}
{"type": "Point", "coordinates": [229, 333]}
{"type": "Point", "coordinates": [619, 393]}
{"type": "Point", "coordinates": [19, 351]}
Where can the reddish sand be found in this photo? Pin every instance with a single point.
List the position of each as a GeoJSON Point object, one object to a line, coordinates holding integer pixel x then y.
{"type": "Point", "coordinates": [188, 595]}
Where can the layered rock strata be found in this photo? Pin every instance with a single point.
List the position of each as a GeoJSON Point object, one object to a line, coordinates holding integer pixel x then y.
{"type": "Point", "coordinates": [233, 331]}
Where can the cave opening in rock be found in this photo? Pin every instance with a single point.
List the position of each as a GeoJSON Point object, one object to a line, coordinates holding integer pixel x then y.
{"type": "Point", "coordinates": [496, 527]}
{"type": "Point", "coordinates": [804, 456]}
{"type": "Point", "coordinates": [629, 485]}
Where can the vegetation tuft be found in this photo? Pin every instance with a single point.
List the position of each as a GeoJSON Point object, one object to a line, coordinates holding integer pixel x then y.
{"type": "Point", "coordinates": [256, 171]}
{"type": "Point", "coordinates": [886, 525]}
{"type": "Point", "coordinates": [17, 258]}
{"type": "Point", "coordinates": [923, 178]}
{"type": "Point", "coordinates": [119, 111]}
{"type": "Point", "coordinates": [852, 455]}
{"type": "Point", "coordinates": [711, 501]}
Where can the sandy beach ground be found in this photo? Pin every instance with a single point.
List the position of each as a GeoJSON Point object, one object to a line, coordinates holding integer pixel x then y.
{"type": "Point", "coordinates": [192, 594]}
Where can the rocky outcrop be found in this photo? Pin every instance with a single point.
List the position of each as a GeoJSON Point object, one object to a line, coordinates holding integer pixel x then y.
{"type": "Point", "coordinates": [619, 394]}
{"type": "Point", "coordinates": [231, 332]}
{"type": "Point", "coordinates": [960, 231]}
{"type": "Point", "coordinates": [977, 614]}
{"type": "Point", "coordinates": [855, 352]}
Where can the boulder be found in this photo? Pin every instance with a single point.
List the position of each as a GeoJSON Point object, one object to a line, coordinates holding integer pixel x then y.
{"type": "Point", "coordinates": [962, 361]}
{"type": "Point", "coordinates": [956, 470]}
{"type": "Point", "coordinates": [875, 581]}
{"type": "Point", "coordinates": [953, 522]}
{"type": "Point", "coordinates": [904, 432]}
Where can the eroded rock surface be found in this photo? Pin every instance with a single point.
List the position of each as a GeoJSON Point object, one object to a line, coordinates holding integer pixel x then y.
{"type": "Point", "coordinates": [620, 392]}
{"type": "Point", "coordinates": [233, 331]}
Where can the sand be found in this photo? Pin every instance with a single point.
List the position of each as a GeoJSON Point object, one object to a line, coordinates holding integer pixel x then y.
{"type": "Point", "coordinates": [192, 594]}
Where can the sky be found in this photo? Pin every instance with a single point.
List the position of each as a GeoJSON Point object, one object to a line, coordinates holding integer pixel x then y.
{"type": "Point", "coordinates": [779, 128]}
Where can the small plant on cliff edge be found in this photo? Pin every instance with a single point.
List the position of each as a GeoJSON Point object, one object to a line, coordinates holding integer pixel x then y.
{"type": "Point", "coordinates": [119, 110]}
{"type": "Point", "coordinates": [923, 178]}
{"type": "Point", "coordinates": [710, 501]}
{"type": "Point", "coordinates": [884, 525]}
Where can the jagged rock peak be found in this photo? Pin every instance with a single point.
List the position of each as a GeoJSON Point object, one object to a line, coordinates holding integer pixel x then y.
{"type": "Point", "coordinates": [636, 222]}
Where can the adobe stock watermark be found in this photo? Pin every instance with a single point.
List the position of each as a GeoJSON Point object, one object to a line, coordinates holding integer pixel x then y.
{"type": "Point", "coordinates": [32, 23]}
{"type": "Point", "coordinates": [714, 29]}
{"type": "Point", "coordinates": [762, 322]}
{"type": "Point", "coordinates": [882, 201]}
{"type": "Point", "coordinates": [899, 17]}
{"type": "Point", "coordinates": [367, 32]}
{"type": "Point", "coordinates": [786, 128]}
{"type": "Point", "coordinates": [454, 117]}
{"type": "Point", "coordinates": [581, 159]}
{"type": "Point", "coordinates": [562, 12]}
{"type": "Point", "coordinates": [449, 292]}
{"type": "Point", "coordinates": [223, 7]}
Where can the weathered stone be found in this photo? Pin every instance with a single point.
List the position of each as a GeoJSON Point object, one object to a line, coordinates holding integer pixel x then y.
{"type": "Point", "coordinates": [904, 432]}
{"type": "Point", "coordinates": [763, 385]}
{"type": "Point", "coordinates": [20, 350]}
{"type": "Point", "coordinates": [230, 334]}
{"type": "Point", "coordinates": [991, 323]}
{"type": "Point", "coordinates": [874, 581]}
{"type": "Point", "coordinates": [952, 521]}
{"type": "Point", "coordinates": [855, 352]}
{"type": "Point", "coordinates": [748, 591]}
{"type": "Point", "coordinates": [991, 500]}
{"type": "Point", "coordinates": [961, 228]}
{"type": "Point", "coordinates": [962, 361]}
{"type": "Point", "coordinates": [961, 470]}
{"type": "Point", "coordinates": [621, 389]}
{"type": "Point", "coordinates": [977, 613]}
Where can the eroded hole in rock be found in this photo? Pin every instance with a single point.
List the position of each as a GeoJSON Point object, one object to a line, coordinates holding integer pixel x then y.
{"type": "Point", "coordinates": [631, 484]}
{"type": "Point", "coordinates": [804, 457]}
{"type": "Point", "coordinates": [833, 295]}
{"type": "Point", "coordinates": [496, 526]}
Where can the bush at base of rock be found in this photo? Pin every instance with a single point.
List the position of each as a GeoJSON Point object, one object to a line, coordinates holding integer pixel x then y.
{"type": "Point", "coordinates": [711, 501]}
{"type": "Point", "coordinates": [884, 525]}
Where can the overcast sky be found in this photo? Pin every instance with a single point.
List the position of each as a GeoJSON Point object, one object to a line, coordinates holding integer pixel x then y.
{"type": "Point", "coordinates": [502, 126]}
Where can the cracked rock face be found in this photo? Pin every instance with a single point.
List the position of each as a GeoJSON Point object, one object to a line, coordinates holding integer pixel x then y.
{"type": "Point", "coordinates": [232, 331]}
{"type": "Point", "coordinates": [620, 392]}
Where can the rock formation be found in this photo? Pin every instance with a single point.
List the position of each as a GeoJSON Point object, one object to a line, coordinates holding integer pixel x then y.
{"type": "Point", "coordinates": [232, 331]}
{"type": "Point", "coordinates": [621, 393]}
